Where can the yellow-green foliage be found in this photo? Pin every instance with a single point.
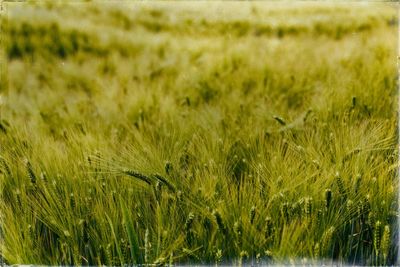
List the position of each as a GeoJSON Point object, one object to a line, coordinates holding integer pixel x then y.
{"type": "Point", "coordinates": [198, 132]}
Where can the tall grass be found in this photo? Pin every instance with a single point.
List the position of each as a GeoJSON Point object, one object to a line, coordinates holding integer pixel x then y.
{"type": "Point", "coordinates": [205, 133]}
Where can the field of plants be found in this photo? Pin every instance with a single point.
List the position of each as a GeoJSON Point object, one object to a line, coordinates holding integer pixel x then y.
{"type": "Point", "coordinates": [198, 133]}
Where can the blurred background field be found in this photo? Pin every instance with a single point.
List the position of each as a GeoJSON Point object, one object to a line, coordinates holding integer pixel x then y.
{"type": "Point", "coordinates": [199, 132]}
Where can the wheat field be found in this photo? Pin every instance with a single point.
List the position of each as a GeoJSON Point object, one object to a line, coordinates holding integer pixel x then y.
{"type": "Point", "coordinates": [199, 133]}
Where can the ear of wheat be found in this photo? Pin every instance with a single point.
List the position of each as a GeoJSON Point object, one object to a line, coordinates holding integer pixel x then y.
{"type": "Point", "coordinates": [31, 174]}
{"type": "Point", "coordinates": [328, 198]}
{"type": "Point", "coordinates": [377, 237]}
{"type": "Point", "coordinates": [385, 246]}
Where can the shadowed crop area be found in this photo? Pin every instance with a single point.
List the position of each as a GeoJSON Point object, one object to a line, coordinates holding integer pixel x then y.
{"type": "Point", "coordinates": [199, 133]}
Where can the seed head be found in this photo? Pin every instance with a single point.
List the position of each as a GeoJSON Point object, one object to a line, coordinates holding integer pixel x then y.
{"type": "Point", "coordinates": [353, 101]}
{"type": "Point", "coordinates": [357, 183]}
{"type": "Point", "coordinates": [349, 205]}
{"type": "Point", "coordinates": [147, 246]}
{"type": "Point", "coordinates": [327, 239]}
{"type": "Point", "coordinates": [377, 237]}
{"type": "Point", "coordinates": [308, 206]}
{"type": "Point", "coordinates": [207, 224]}
{"type": "Point", "coordinates": [319, 217]}
{"type": "Point", "coordinates": [280, 120]}
{"type": "Point", "coordinates": [340, 184]}
{"type": "Point", "coordinates": [72, 200]}
{"type": "Point", "coordinates": [220, 222]}
{"type": "Point", "coordinates": [385, 246]}
{"type": "Point", "coordinates": [238, 228]}
{"type": "Point", "coordinates": [138, 175]}
{"type": "Point", "coordinates": [317, 251]}
{"type": "Point", "coordinates": [189, 222]}
{"type": "Point", "coordinates": [30, 172]}
{"type": "Point", "coordinates": [218, 256]}
{"type": "Point", "coordinates": [5, 166]}
{"type": "Point", "coordinates": [252, 214]}
{"type": "Point", "coordinates": [328, 198]}
{"type": "Point", "coordinates": [268, 227]}
{"type": "Point", "coordinates": [371, 219]}
{"type": "Point", "coordinates": [168, 167]}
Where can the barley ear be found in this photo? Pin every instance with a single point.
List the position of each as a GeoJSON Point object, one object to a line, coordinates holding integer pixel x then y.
{"type": "Point", "coordinates": [147, 246]}
{"type": "Point", "coordinates": [385, 246]}
{"type": "Point", "coordinates": [238, 229]}
{"type": "Point", "coordinates": [327, 240]}
{"type": "Point", "coordinates": [252, 214]}
{"type": "Point", "coordinates": [188, 228]}
{"type": "Point", "coordinates": [268, 228]}
{"type": "Point", "coordinates": [328, 198]}
{"type": "Point", "coordinates": [308, 206]}
{"type": "Point", "coordinates": [6, 168]}
{"type": "Point", "coordinates": [377, 237]}
{"type": "Point", "coordinates": [285, 211]}
{"type": "Point", "coordinates": [340, 184]}
{"type": "Point", "coordinates": [220, 223]}
{"type": "Point", "coordinates": [317, 251]}
{"type": "Point", "coordinates": [280, 120]}
{"type": "Point", "coordinates": [29, 170]}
